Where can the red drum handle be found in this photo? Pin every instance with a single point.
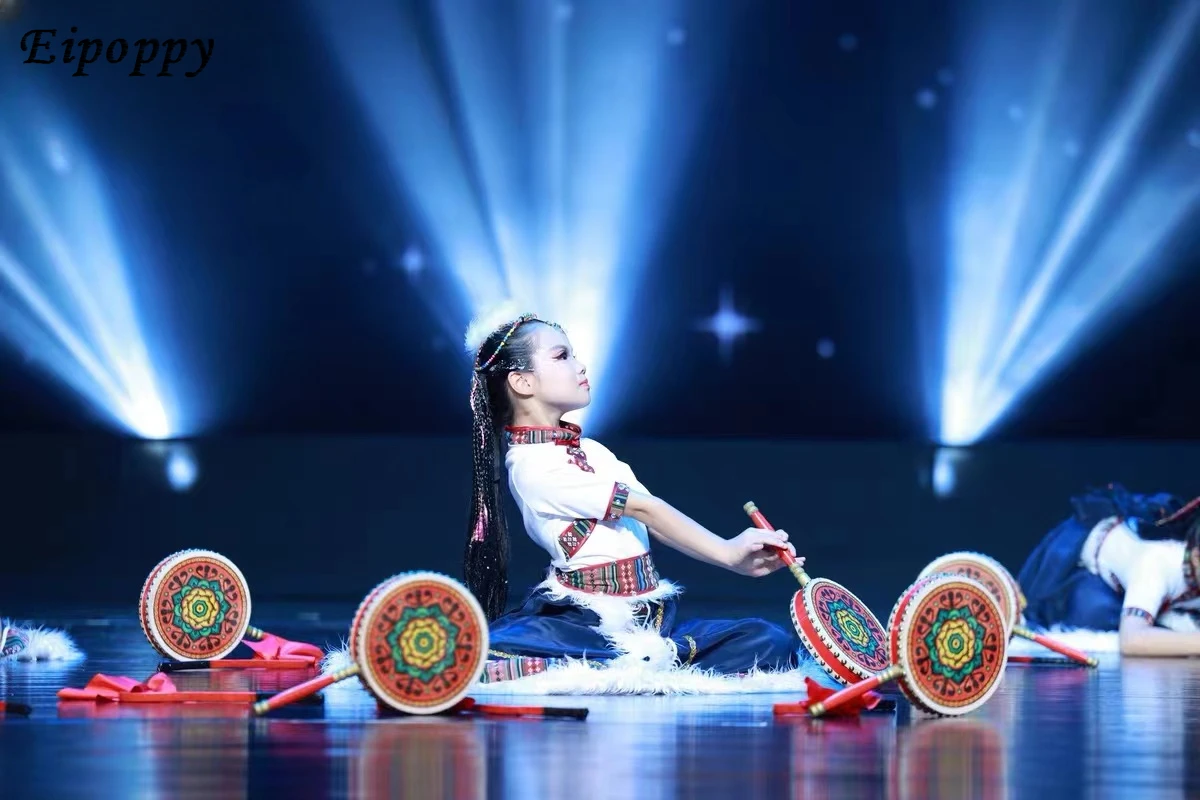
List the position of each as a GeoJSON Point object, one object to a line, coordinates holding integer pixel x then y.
{"type": "Point", "coordinates": [1058, 647]}
{"type": "Point", "coordinates": [303, 690]}
{"type": "Point", "coordinates": [760, 522]}
{"type": "Point", "coordinates": [857, 690]}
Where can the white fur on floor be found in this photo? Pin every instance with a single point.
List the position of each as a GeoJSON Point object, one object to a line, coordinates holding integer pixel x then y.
{"type": "Point", "coordinates": [46, 644]}
{"type": "Point", "coordinates": [1088, 641]}
{"type": "Point", "coordinates": [577, 678]}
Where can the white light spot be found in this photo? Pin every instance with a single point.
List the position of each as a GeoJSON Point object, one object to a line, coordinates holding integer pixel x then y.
{"type": "Point", "coordinates": [413, 260]}
{"type": "Point", "coordinates": [727, 324]}
{"type": "Point", "coordinates": [181, 469]}
{"type": "Point", "coordinates": [56, 154]}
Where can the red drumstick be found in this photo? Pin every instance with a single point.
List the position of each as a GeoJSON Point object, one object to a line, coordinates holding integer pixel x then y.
{"type": "Point", "coordinates": [1058, 647]}
{"type": "Point", "coordinates": [303, 690]}
{"type": "Point", "coordinates": [857, 690]}
{"type": "Point", "coordinates": [785, 555]}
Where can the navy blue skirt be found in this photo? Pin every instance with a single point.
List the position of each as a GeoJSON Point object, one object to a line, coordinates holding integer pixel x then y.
{"type": "Point", "coordinates": [547, 628]}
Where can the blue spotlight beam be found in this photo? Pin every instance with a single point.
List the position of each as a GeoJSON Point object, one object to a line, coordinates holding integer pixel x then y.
{"type": "Point", "coordinates": [1028, 285]}
{"type": "Point", "coordinates": [548, 181]}
{"type": "Point", "coordinates": [69, 306]}
{"type": "Point", "coordinates": [1114, 156]}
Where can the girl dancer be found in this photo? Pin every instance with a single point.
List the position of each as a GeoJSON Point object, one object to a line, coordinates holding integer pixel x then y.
{"type": "Point", "coordinates": [603, 598]}
{"type": "Point", "coordinates": [1123, 562]}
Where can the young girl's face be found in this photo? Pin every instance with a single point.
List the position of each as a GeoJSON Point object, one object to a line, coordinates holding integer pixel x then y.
{"type": "Point", "coordinates": [558, 378]}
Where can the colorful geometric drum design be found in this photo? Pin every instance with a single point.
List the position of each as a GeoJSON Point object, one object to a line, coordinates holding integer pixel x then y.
{"type": "Point", "coordinates": [949, 637]}
{"type": "Point", "coordinates": [195, 606]}
{"type": "Point", "coordinates": [839, 630]}
{"type": "Point", "coordinates": [988, 571]}
{"type": "Point", "coordinates": [420, 641]}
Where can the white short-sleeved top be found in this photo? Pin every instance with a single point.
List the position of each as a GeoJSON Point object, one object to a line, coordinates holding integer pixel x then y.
{"type": "Point", "coordinates": [572, 493]}
{"type": "Point", "coordinates": [1155, 576]}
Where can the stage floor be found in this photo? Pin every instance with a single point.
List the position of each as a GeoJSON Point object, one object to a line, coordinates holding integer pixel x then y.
{"type": "Point", "coordinates": [1128, 728]}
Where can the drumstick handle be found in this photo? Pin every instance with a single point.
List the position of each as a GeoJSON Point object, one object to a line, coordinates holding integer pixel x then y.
{"type": "Point", "coordinates": [760, 521]}
{"type": "Point", "coordinates": [1058, 647]}
{"type": "Point", "coordinates": [857, 690]}
{"type": "Point", "coordinates": [257, 634]}
{"type": "Point", "coordinates": [303, 690]}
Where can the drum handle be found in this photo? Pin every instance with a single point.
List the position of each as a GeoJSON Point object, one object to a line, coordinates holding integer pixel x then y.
{"type": "Point", "coordinates": [257, 634]}
{"type": "Point", "coordinates": [303, 690]}
{"type": "Point", "coordinates": [1058, 647]}
{"type": "Point", "coordinates": [760, 521]}
{"type": "Point", "coordinates": [857, 690]}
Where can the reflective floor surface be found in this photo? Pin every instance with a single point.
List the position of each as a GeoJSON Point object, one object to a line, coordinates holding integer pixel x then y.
{"type": "Point", "coordinates": [1129, 728]}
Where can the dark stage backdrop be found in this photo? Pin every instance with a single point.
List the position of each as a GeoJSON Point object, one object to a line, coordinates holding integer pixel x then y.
{"type": "Point", "coordinates": [84, 520]}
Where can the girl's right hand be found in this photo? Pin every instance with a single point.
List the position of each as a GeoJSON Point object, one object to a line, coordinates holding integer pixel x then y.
{"type": "Point", "coordinates": [753, 552]}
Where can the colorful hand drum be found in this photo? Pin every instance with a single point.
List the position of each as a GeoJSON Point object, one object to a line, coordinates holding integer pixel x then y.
{"type": "Point", "coordinates": [195, 606]}
{"type": "Point", "coordinates": [419, 641]}
{"type": "Point", "coordinates": [947, 647]}
{"type": "Point", "coordinates": [835, 626]}
{"type": "Point", "coordinates": [1003, 586]}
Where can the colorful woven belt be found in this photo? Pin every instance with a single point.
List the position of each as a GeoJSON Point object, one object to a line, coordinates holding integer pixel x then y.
{"type": "Point", "coordinates": [627, 578]}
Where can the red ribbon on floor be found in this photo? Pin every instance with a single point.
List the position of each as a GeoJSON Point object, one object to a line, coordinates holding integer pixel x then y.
{"type": "Point", "coordinates": [111, 687]}
{"type": "Point", "coordinates": [158, 688]}
{"type": "Point", "coordinates": [817, 692]}
{"type": "Point", "coordinates": [276, 648]}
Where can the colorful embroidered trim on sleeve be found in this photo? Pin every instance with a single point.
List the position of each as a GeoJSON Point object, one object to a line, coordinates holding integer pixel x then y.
{"type": "Point", "coordinates": [616, 503]}
{"type": "Point", "coordinates": [575, 535]}
{"type": "Point", "coordinates": [1139, 613]}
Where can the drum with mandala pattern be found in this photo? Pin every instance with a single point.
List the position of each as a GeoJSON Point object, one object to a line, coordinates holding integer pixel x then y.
{"type": "Point", "coordinates": [417, 642]}
{"type": "Point", "coordinates": [987, 571]}
{"type": "Point", "coordinates": [949, 636]}
{"type": "Point", "coordinates": [195, 605]}
{"type": "Point", "coordinates": [947, 648]}
{"type": "Point", "coordinates": [1004, 587]}
{"type": "Point", "coordinates": [841, 633]}
{"type": "Point", "coordinates": [838, 630]}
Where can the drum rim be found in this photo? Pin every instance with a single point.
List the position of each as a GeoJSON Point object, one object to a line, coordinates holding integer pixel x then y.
{"type": "Point", "coordinates": [377, 595]}
{"type": "Point", "coordinates": [1002, 576]}
{"type": "Point", "coordinates": [160, 642]}
{"type": "Point", "coordinates": [893, 628]}
{"type": "Point", "coordinates": [936, 582]}
{"type": "Point", "coordinates": [359, 613]}
{"type": "Point", "coordinates": [142, 599]}
{"type": "Point", "coordinates": [857, 671]}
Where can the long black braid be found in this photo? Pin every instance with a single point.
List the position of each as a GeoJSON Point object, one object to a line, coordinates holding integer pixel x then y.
{"type": "Point", "coordinates": [485, 563]}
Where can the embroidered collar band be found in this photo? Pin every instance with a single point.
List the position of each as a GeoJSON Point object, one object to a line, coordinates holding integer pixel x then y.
{"type": "Point", "coordinates": [565, 434]}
